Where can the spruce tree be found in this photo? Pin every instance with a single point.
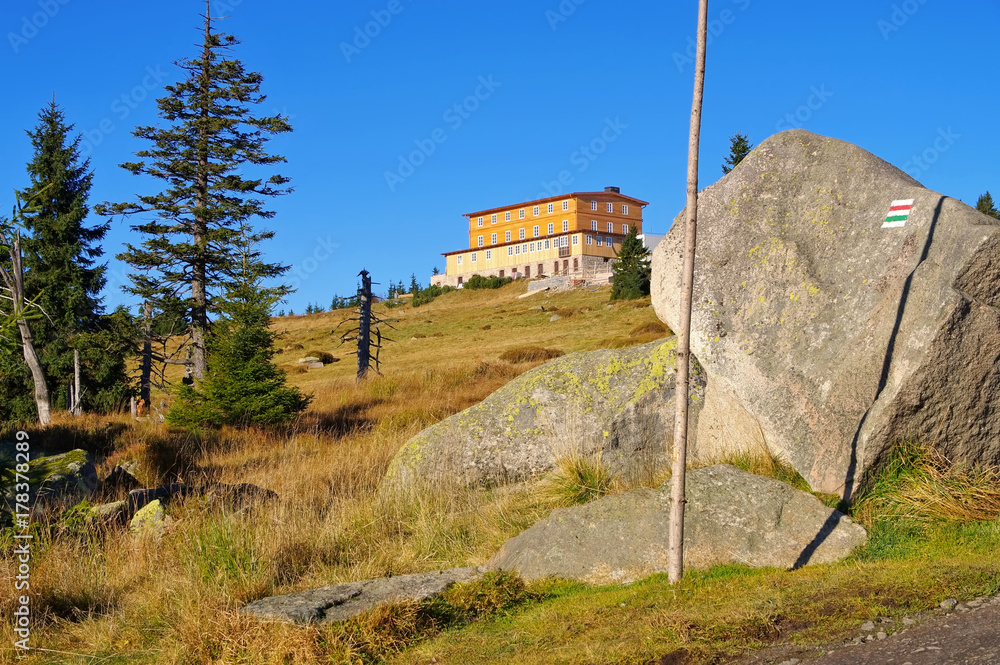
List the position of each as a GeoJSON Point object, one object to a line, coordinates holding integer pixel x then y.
{"type": "Point", "coordinates": [985, 206]}
{"type": "Point", "coordinates": [739, 147]}
{"type": "Point", "coordinates": [62, 274]}
{"type": "Point", "coordinates": [631, 269]}
{"type": "Point", "coordinates": [243, 386]}
{"type": "Point", "coordinates": [211, 134]}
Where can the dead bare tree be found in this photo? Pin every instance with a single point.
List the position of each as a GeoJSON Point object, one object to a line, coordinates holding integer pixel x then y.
{"type": "Point", "coordinates": [675, 564]}
{"type": "Point", "coordinates": [363, 332]}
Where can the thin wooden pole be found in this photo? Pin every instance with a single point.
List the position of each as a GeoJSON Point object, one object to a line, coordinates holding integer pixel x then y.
{"type": "Point", "coordinates": [675, 566]}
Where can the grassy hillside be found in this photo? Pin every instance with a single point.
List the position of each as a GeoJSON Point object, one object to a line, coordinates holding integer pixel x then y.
{"type": "Point", "coordinates": [108, 596]}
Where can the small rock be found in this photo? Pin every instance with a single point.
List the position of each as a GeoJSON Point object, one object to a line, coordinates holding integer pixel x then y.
{"type": "Point", "coordinates": [948, 604]}
{"type": "Point", "coordinates": [870, 638]}
{"type": "Point", "coordinates": [962, 607]}
{"type": "Point", "coordinates": [975, 603]}
{"type": "Point", "coordinates": [107, 513]}
{"type": "Point", "coordinates": [121, 479]}
{"type": "Point", "coordinates": [151, 519]}
{"type": "Point", "coordinates": [308, 359]}
{"type": "Point", "coordinates": [554, 317]}
{"type": "Point", "coordinates": [881, 635]}
{"type": "Point", "coordinates": [907, 621]}
{"type": "Point", "coordinates": [868, 626]}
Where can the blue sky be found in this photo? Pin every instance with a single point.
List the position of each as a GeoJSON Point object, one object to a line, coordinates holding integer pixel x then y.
{"type": "Point", "coordinates": [490, 103]}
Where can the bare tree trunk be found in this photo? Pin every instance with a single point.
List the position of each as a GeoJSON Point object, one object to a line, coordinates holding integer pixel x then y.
{"type": "Point", "coordinates": [364, 325]}
{"type": "Point", "coordinates": [199, 312]}
{"type": "Point", "coordinates": [37, 373]}
{"type": "Point", "coordinates": [76, 408]}
{"type": "Point", "coordinates": [675, 566]}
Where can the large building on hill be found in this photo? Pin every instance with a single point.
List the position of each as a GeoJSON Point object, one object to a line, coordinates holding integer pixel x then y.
{"type": "Point", "coordinates": [574, 234]}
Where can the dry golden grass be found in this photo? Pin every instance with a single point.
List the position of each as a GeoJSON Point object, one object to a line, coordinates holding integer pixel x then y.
{"type": "Point", "coordinates": [121, 598]}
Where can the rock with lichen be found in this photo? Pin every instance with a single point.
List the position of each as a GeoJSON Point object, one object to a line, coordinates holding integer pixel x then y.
{"type": "Point", "coordinates": [617, 404]}
{"type": "Point", "coordinates": [839, 306]}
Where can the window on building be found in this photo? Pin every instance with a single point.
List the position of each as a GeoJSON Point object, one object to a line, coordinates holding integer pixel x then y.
{"type": "Point", "coordinates": [609, 241]}
{"type": "Point", "coordinates": [527, 271]}
{"type": "Point", "coordinates": [489, 254]}
{"type": "Point", "coordinates": [565, 225]}
{"type": "Point", "coordinates": [534, 211]}
{"type": "Point", "coordinates": [531, 246]}
{"type": "Point", "coordinates": [593, 205]}
{"type": "Point", "coordinates": [552, 228]}
{"type": "Point", "coordinates": [551, 208]}
{"type": "Point", "coordinates": [624, 229]}
{"type": "Point", "coordinates": [480, 241]}
{"type": "Point", "coordinates": [600, 241]}
{"type": "Point", "coordinates": [493, 239]}
{"type": "Point", "coordinates": [480, 221]}
{"type": "Point", "coordinates": [624, 209]}
{"type": "Point", "coordinates": [593, 225]}
{"type": "Point", "coordinates": [611, 227]}
{"type": "Point", "coordinates": [510, 250]}
{"type": "Point", "coordinates": [506, 217]}
{"type": "Point", "coordinates": [576, 240]}
{"type": "Point", "coordinates": [535, 231]}
{"type": "Point", "coordinates": [506, 236]}
{"type": "Point", "coordinates": [565, 205]}
{"type": "Point", "coordinates": [460, 281]}
{"type": "Point", "coordinates": [459, 261]}
{"type": "Point", "coordinates": [520, 213]}
{"type": "Point", "coordinates": [576, 264]}
{"type": "Point", "coordinates": [590, 240]}
{"type": "Point", "coordinates": [517, 249]}
{"type": "Point", "coordinates": [520, 234]}
{"type": "Point", "coordinates": [611, 207]}
{"type": "Point", "coordinates": [493, 219]}
{"type": "Point", "coordinates": [501, 274]}
{"type": "Point", "coordinates": [565, 241]}
{"type": "Point", "coordinates": [546, 244]}
{"type": "Point", "coordinates": [473, 257]}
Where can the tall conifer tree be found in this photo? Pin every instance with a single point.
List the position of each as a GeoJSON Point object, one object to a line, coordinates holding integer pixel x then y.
{"type": "Point", "coordinates": [631, 268]}
{"type": "Point", "coordinates": [210, 136]}
{"type": "Point", "coordinates": [985, 205]}
{"type": "Point", "coordinates": [739, 147]}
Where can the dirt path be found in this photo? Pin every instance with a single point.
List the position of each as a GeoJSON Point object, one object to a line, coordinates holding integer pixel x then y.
{"type": "Point", "coordinates": [969, 635]}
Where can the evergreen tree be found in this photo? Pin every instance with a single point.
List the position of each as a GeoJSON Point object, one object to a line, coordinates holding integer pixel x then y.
{"type": "Point", "coordinates": [414, 284]}
{"type": "Point", "coordinates": [211, 134]}
{"type": "Point", "coordinates": [62, 274]}
{"type": "Point", "coordinates": [631, 269]}
{"type": "Point", "coordinates": [243, 386]}
{"type": "Point", "coordinates": [435, 271]}
{"type": "Point", "coordinates": [985, 206]}
{"type": "Point", "coordinates": [739, 147]}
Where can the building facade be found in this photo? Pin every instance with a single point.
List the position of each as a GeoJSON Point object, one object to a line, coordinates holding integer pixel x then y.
{"type": "Point", "coordinates": [575, 234]}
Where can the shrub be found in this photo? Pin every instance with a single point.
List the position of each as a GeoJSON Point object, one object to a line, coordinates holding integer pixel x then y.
{"type": "Point", "coordinates": [424, 296]}
{"type": "Point", "coordinates": [480, 282]}
{"type": "Point", "coordinates": [527, 354]}
{"type": "Point", "coordinates": [325, 357]}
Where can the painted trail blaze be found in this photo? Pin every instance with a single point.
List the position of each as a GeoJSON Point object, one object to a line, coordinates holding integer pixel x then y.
{"type": "Point", "coordinates": [899, 212]}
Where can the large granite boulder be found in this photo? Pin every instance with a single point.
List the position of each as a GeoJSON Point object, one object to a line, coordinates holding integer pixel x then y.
{"type": "Point", "coordinates": [339, 602]}
{"type": "Point", "coordinates": [832, 318]}
{"type": "Point", "coordinates": [614, 403]}
{"type": "Point", "coordinates": [731, 516]}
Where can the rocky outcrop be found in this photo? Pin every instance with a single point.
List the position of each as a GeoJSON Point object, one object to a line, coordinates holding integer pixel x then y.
{"type": "Point", "coordinates": [826, 332]}
{"type": "Point", "coordinates": [342, 601]}
{"type": "Point", "coordinates": [731, 517]}
{"type": "Point", "coordinates": [614, 403]}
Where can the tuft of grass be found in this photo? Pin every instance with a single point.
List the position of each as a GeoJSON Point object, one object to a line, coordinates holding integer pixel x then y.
{"type": "Point", "coordinates": [529, 354]}
{"type": "Point", "coordinates": [917, 483]}
{"type": "Point", "coordinates": [762, 462]}
{"type": "Point", "coordinates": [651, 328]}
{"type": "Point", "coordinates": [577, 479]}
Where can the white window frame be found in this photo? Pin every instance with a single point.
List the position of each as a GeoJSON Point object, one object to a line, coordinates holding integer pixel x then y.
{"type": "Point", "coordinates": [517, 250]}
{"type": "Point", "coordinates": [552, 228]}
{"type": "Point", "coordinates": [565, 225]}
{"type": "Point", "coordinates": [506, 236]}
{"type": "Point", "coordinates": [551, 207]}
{"type": "Point", "coordinates": [510, 250]}
{"type": "Point", "coordinates": [624, 209]}
{"type": "Point", "coordinates": [489, 254]}
{"type": "Point", "coordinates": [565, 205]}
{"type": "Point", "coordinates": [493, 239]}
{"type": "Point", "coordinates": [624, 229]}
{"type": "Point", "coordinates": [506, 216]}
{"type": "Point", "coordinates": [531, 247]}
{"type": "Point", "coordinates": [593, 225]}
{"type": "Point", "coordinates": [593, 205]}
{"type": "Point", "coordinates": [564, 241]}
{"type": "Point", "coordinates": [480, 221]}
{"type": "Point", "coordinates": [590, 240]}
{"type": "Point", "coordinates": [576, 240]}
{"type": "Point", "coordinates": [520, 234]}
{"type": "Point", "coordinates": [611, 227]}
{"type": "Point", "coordinates": [547, 246]}
{"type": "Point", "coordinates": [600, 241]}
{"type": "Point", "coordinates": [609, 241]}
{"type": "Point", "coordinates": [535, 231]}
{"type": "Point", "coordinates": [534, 211]}
{"type": "Point", "coordinates": [611, 207]}
{"type": "Point", "coordinates": [473, 257]}
{"type": "Point", "coordinates": [493, 219]}
{"type": "Point", "coordinates": [480, 241]}
{"type": "Point", "coordinates": [459, 261]}
{"type": "Point", "coordinates": [520, 213]}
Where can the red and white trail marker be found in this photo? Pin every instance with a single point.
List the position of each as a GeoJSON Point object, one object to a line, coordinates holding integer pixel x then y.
{"type": "Point", "coordinates": [899, 212]}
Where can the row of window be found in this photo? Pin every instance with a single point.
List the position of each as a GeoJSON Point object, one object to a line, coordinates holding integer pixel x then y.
{"type": "Point", "coordinates": [551, 208]}
{"type": "Point", "coordinates": [542, 245]}
{"type": "Point", "coordinates": [551, 230]}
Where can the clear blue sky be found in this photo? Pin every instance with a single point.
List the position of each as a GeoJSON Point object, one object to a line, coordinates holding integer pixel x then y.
{"type": "Point", "coordinates": [901, 79]}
